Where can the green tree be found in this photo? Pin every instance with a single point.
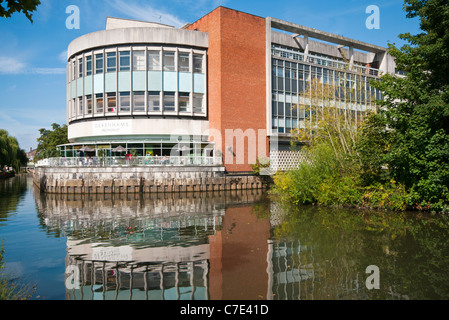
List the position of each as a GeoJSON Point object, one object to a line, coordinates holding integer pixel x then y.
{"type": "Point", "coordinates": [8, 7]}
{"type": "Point", "coordinates": [10, 152]}
{"type": "Point", "coordinates": [414, 118]}
{"type": "Point", "coordinates": [49, 139]}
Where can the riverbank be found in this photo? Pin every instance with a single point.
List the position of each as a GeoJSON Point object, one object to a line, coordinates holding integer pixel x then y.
{"type": "Point", "coordinates": [141, 179]}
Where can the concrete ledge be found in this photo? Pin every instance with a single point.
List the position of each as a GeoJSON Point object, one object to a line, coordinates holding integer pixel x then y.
{"type": "Point", "coordinates": [120, 180]}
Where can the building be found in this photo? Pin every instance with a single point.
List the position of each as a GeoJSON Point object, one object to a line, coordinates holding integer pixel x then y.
{"type": "Point", "coordinates": [226, 89]}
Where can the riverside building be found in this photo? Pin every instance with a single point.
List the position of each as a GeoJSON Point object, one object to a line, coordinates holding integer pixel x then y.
{"type": "Point", "coordinates": [224, 90]}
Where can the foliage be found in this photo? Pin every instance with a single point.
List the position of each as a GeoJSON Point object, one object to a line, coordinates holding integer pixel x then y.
{"type": "Point", "coordinates": [10, 152]}
{"type": "Point", "coordinates": [261, 164]}
{"type": "Point", "coordinates": [396, 157]}
{"type": "Point", "coordinates": [8, 7]}
{"type": "Point", "coordinates": [49, 139]}
{"type": "Point", "coordinates": [416, 109]}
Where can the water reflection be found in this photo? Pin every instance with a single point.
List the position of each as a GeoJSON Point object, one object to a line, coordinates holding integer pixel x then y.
{"type": "Point", "coordinates": [239, 245]}
{"type": "Point", "coordinates": [160, 246]}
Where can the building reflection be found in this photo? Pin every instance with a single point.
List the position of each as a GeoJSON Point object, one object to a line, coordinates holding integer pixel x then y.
{"type": "Point", "coordinates": [162, 246]}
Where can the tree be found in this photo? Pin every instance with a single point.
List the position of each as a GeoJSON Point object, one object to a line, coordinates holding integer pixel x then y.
{"type": "Point", "coordinates": [8, 7]}
{"type": "Point", "coordinates": [49, 139]}
{"type": "Point", "coordinates": [10, 152]}
{"type": "Point", "coordinates": [414, 117]}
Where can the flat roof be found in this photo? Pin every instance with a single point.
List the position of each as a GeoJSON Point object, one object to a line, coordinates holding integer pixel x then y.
{"type": "Point", "coordinates": [325, 36]}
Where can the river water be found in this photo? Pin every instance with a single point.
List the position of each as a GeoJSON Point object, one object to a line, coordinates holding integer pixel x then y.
{"type": "Point", "coordinates": [215, 246]}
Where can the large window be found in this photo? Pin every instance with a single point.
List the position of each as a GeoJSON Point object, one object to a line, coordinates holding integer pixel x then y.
{"type": "Point", "coordinates": [139, 101]}
{"type": "Point", "coordinates": [183, 62]}
{"type": "Point", "coordinates": [154, 60]}
{"type": "Point", "coordinates": [80, 67]}
{"type": "Point", "coordinates": [154, 101]}
{"type": "Point", "coordinates": [89, 104]}
{"type": "Point", "coordinates": [88, 65]}
{"type": "Point", "coordinates": [80, 106]}
{"type": "Point", "coordinates": [111, 62]}
{"type": "Point", "coordinates": [198, 103]}
{"type": "Point", "coordinates": [125, 102]}
{"type": "Point", "coordinates": [138, 60]}
{"type": "Point", "coordinates": [99, 63]}
{"type": "Point", "coordinates": [169, 61]}
{"type": "Point", "coordinates": [169, 101]}
{"type": "Point", "coordinates": [99, 103]}
{"type": "Point", "coordinates": [198, 63]}
{"type": "Point", "coordinates": [184, 102]}
{"type": "Point", "coordinates": [125, 60]}
{"type": "Point", "coordinates": [112, 102]}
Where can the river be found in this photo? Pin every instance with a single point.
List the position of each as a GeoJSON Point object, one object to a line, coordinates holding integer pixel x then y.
{"type": "Point", "coordinates": [235, 245]}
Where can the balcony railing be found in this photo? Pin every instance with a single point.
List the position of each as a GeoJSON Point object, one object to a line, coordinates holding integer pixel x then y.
{"type": "Point", "coordinates": [130, 161]}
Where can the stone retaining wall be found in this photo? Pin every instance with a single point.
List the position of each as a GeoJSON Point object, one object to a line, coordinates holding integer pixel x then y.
{"type": "Point", "coordinates": [106, 180]}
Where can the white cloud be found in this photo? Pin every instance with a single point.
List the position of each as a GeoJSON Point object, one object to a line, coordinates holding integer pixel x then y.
{"type": "Point", "coordinates": [63, 56]}
{"type": "Point", "coordinates": [10, 65]}
{"type": "Point", "coordinates": [145, 12]}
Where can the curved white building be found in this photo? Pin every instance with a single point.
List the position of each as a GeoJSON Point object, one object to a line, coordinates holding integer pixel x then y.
{"type": "Point", "coordinates": [140, 85]}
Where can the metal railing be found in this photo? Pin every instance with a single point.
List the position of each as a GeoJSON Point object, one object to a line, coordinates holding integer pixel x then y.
{"type": "Point", "coordinates": [129, 161]}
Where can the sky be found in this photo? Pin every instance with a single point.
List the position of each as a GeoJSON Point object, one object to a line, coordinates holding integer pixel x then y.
{"type": "Point", "coordinates": [33, 55]}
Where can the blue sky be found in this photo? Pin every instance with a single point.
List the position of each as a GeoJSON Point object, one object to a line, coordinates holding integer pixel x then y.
{"type": "Point", "coordinates": [32, 56]}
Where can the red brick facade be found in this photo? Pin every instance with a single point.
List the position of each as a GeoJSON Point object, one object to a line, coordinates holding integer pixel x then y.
{"type": "Point", "coordinates": [236, 85]}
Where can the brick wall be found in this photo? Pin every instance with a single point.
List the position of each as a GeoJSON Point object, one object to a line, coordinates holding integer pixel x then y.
{"type": "Point", "coordinates": [236, 83]}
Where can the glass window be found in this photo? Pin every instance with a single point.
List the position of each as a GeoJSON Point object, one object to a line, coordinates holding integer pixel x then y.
{"type": "Point", "coordinates": [88, 65]}
{"type": "Point", "coordinates": [169, 101]}
{"type": "Point", "coordinates": [169, 61]}
{"type": "Point", "coordinates": [80, 67]}
{"type": "Point", "coordinates": [183, 62]}
{"type": "Point", "coordinates": [198, 103]}
{"type": "Point", "coordinates": [99, 103]}
{"type": "Point", "coordinates": [154, 60]}
{"type": "Point", "coordinates": [73, 69]}
{"type": "Point", "coordinates": [112, 102]}
{"type": "Point", "coordinates": [184, 102]}
{"type": "Point", "coordinates": [125, 60]}
{"type": "Point", "coordinates": [125, 102]}
{"type": "Point", "coordinates": [139, 101]}
{"type": "Point", "coordinates": [89, 104]}
{"type": "Point", "coordinates": [98, 63]}
{"type": "Point", "coordinates": [198, 63]}
{"type": "Point", "coordinates": [153, 101]}
{"type": "Point", "coordinates": [80, 106]}
{"type": "Point", "coordinates": [111, 62]}
{"type": "Point", "coordinates": [138, 60]}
